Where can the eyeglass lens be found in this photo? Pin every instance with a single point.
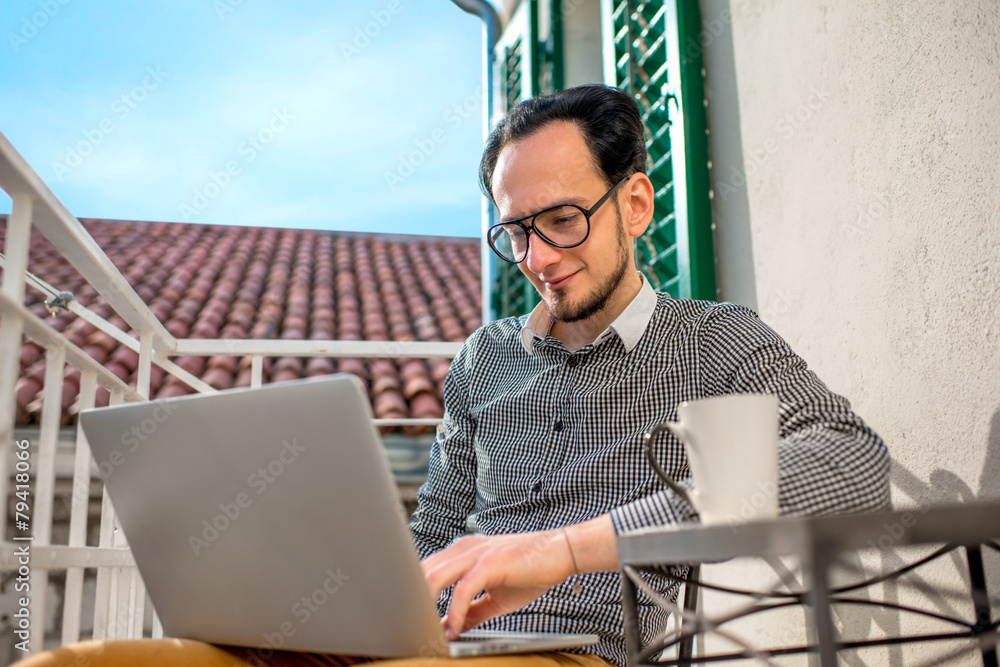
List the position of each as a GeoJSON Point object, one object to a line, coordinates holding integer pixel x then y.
{"type": "Point", "coordinates": [560, 226]}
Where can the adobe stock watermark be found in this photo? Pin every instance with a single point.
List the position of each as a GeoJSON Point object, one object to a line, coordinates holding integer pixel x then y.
{"type": "Point", "coordinates": [712, 29]}
{"type": "Point", "coordinates": [751, 507]}
{"type": "Point", "coordinates": [132, 439]}
{"type": "Point", "coordinates": [785, 127]}
{"type": "Point", "coordinates": [363, 35]}
{"type": "Point", "coordinates": [246, 152]}
{"type": "Point", "coordinates": [777, 303]}
{"type": "Point", "coordinates": [121, 108]}
{"type": "Point", "coordinates": [303, 611]}
{"type": "Point", "coordinates": [895, 530]}
{"type": "Point", "coordinates": [259, 481]}
{"type": "Point", "coordinates": [426, 146]}
{"type": "Point", "coordinates": [21, 621]}
{"type": "Point", "coordinates": [32, 24]}
{"type": "Point", "coordinates": [872, 212]}
{"type": "Point", "coordinates": [224, 8]}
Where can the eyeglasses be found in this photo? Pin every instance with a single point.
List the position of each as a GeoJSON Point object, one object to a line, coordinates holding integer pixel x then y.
{"type": "Point", "coordinates": [563, 226]}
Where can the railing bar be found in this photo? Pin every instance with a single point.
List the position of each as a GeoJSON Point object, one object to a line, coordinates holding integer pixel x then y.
{"type": "Point", "coordinates": [190, 379]}
{"type": "Point", "coordinates": [16, 246]}
{"type": "Point", "coordinates": [31, 280]}
{"type": "Point", "coordinates": [124, 338]}
{"type": "Point", "coordinates": [36, 329]}
{"type": "Point", "coordinates": [45, 335]}
{"type": "Point", "coordinates": [62, 557]}
{"type": "Point", "coordinates": [77, 308]}
{"type": "Point", "coordinates": [256, 371]}
{"type": "Point", "coordinates": [269, 347]}
{"type": "Point", "coordinates": [90, 316]}
{"type": "Point", "coordinates": [431, 421]}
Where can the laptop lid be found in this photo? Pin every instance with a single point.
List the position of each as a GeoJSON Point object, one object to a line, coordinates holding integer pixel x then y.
{"type": "Point", "coordinates": [267, 518]}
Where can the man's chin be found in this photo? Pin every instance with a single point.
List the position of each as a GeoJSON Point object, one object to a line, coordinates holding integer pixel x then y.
{"type": "Point", "coordinates": [558, 309]}
{"type": "Point", "coordinates": [562, 310]}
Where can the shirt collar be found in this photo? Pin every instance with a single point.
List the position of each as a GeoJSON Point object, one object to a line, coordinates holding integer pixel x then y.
{"type": "Point", "coordinates": [629, 325]}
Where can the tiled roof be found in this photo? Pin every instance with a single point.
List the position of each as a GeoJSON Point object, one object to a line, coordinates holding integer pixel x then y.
{"type": "Point", "coordinates": [210, 281]}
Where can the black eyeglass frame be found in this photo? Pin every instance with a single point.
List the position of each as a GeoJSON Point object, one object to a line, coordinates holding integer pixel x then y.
{"type": "Point", "coordinates": [587, 213]}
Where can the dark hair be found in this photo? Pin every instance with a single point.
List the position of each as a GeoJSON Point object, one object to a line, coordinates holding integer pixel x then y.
{"type": "Point", "coordinates": [608, 118]}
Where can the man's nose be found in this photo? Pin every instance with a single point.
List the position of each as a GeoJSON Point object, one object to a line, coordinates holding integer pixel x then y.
{"type": "Point", "coordinates": [541, 255]}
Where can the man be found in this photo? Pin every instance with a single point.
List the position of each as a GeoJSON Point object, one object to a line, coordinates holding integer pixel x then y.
{"type": "Point", "coordinates": [538, 464]}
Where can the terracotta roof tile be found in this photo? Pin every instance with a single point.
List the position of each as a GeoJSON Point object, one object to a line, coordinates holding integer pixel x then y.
{"type": "Point", "coordinates": [209, 281]}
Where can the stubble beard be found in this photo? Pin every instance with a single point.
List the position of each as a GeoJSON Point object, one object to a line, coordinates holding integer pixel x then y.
{"type": "Point", "coordinates": [560, 311]}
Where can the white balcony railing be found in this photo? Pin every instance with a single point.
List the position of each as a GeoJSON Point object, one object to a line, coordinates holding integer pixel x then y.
{"type": "Point", "coordinates": [120, 598]}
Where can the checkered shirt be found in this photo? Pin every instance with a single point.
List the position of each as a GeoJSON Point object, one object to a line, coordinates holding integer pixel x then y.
{"type": "Point", "coordinates": [539, 440]}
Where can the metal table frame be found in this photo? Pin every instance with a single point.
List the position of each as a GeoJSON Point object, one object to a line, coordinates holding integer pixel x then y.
{"type": "Point", "coordinates": [817, 543]}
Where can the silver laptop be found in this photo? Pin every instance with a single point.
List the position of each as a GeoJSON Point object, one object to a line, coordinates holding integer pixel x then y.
{"type": "Point", "coordinates": [268, 519]}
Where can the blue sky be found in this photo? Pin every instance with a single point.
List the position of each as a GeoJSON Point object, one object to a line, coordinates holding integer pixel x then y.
{"type": "Point", "coordinates": [321, 114]}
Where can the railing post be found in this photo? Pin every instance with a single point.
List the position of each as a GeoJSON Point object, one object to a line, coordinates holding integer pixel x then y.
{"type": "Point", "coordinates": [145, 370]}
{"type": "Point", "coordinates": [256, 371]}
{"type": "Point", "coordinates": [121, 593]}
{"type": "Point", "coordinates": [41, 522]}
{"type": "Point", "coordinates": [136, 604]}
{"type": "Point", "coordinates": [157, 626]}
{"type": "Point", "coordinates": [11, 330]}
{"type": "Point", "coordinates": [79, 507]}
{"type": "Point", "coordinates": [104, 593]}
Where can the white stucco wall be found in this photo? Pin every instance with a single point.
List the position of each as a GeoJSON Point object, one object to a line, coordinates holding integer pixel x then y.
{"type": "Point", "coordinates": [856, 167]}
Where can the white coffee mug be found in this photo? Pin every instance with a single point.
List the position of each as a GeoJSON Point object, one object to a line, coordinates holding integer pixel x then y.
{"type": "Point", "coordinates": [732, 448]}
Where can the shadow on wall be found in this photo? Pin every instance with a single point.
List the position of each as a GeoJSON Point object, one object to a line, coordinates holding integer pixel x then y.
{"type": "Point", "coordinates": [944, 487]}
{"type": "Point", "coordinates": [942, 587]}
{"type": "Point", "coordinates": [989, 481]}
{"type": "Point", "coordinates": [735, 274]}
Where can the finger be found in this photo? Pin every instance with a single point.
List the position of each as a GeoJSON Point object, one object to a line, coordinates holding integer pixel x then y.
{"type": "Point", "coordinates": [472, 583]}
{"type": "Point", "coordinates": [448, 571]}
{"type": "Point", "coordinates": [481, 610]}
{"type": "Point", "coordinates": [459, 546]}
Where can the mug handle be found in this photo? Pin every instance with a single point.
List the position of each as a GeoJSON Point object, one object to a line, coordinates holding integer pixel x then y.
{"type": "Point", "coordinates": [647, 447]}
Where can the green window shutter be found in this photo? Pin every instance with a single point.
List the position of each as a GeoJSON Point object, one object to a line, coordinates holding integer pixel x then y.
{"type": "Point", "coordinates": [676, 253]}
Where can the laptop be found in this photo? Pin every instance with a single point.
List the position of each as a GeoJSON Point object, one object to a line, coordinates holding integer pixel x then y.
{"type": "Point", "coordinates": [268, 518]}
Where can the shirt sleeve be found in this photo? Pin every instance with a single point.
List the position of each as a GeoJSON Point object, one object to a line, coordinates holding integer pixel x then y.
{"type": "Point", "coordinates": [829, 460]}
{"type": "Point", "coordinates": [448, 496]}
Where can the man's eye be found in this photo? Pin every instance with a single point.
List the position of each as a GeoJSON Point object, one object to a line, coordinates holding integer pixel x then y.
{"type": "Point", "coordinates": [565, 218]}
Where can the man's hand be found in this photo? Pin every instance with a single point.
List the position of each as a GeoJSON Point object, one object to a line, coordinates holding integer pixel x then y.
{"type": "Point", "coordinates": [513, 570]}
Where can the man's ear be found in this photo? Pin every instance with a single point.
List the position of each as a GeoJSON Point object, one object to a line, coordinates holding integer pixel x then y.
{"type": "Point", "coordinates": [637, 204]}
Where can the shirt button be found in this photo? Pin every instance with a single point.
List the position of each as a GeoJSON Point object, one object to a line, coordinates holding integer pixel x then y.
{"type": "Point", "coordinates": [558, 426]}
{"type": "Point", "coordinates": [573, 361]}
{"type": "Point", "coordinates": [537, 488]}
